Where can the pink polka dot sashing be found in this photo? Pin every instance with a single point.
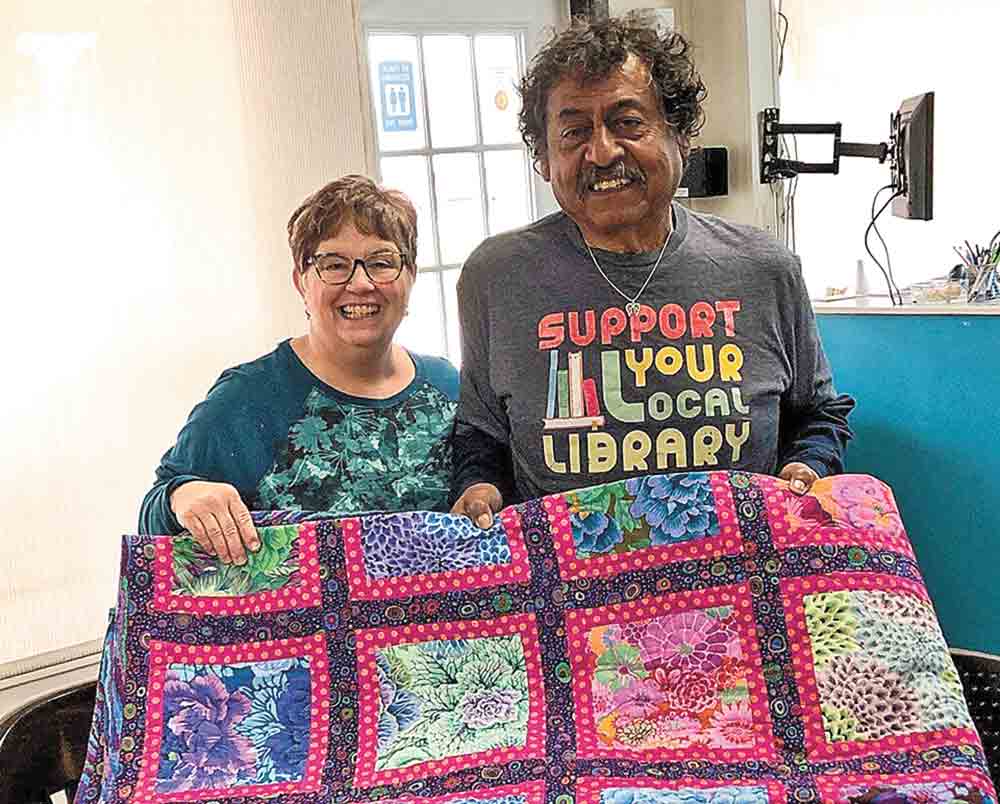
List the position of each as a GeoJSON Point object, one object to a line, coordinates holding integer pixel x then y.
{"type": "Point", "coordinates": [794, 522]}
{"type": "Point", "coordinates": [533, 792]}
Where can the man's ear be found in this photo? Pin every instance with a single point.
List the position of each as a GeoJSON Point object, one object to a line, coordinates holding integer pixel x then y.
{"type": "Point", "coordinates": [684, 146]}
{"type": "Point", "coordinates": [541, 166]}
{"type": "Point", "coordinates": [297, 281]}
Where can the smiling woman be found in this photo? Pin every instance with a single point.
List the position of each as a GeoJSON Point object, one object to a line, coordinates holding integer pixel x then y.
{"type": "Point", "coordinates": [340, 418]}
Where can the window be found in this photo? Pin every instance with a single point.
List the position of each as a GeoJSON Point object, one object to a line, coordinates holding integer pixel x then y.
{"type": "Point", "coordinates": [445, 107]}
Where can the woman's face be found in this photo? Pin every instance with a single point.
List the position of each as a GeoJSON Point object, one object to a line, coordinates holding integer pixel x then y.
{"type": "Point", "coordinates": [360, 313]}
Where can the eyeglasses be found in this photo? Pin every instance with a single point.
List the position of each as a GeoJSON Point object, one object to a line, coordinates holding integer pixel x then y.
{"type": "Point", "coordinates": [381, 267]}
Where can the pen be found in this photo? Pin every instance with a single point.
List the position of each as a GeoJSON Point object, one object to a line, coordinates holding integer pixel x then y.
{"type": "Point", "coordinates": [962, 257]}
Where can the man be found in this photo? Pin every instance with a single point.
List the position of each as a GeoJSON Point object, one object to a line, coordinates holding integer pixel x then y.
{"type": "Point", "coordinates": [626, 335]}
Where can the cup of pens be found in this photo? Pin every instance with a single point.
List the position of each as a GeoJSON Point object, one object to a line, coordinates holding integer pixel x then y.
{"type": "Point", "coordinates": [982, 271]}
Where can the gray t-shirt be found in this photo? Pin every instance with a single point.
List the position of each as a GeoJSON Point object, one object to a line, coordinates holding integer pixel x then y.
{"type": "Point", "coordinates": [722, 367]}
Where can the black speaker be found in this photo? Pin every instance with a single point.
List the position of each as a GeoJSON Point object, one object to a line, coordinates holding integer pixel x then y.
{"type": "Point", "coordinates": [707, 174]}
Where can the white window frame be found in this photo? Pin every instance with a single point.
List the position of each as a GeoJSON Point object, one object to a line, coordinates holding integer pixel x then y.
{"type": "Point", "coordinates": [428, 152]}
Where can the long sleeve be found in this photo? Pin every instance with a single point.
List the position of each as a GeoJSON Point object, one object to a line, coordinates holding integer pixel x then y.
{"type": "Point", "coordinates": [480, 458]}
{"type": "Point", "coordinates": [481, 448]}
{"type": "Point", "coordinates": [220, 442]}
{"type": "Point", "coordinates": [155, 515]}
{"type": "Point", "coordinates": [813, 425]}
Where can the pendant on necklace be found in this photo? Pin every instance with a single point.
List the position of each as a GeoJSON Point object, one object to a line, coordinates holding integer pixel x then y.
{"type": "Point", "coordinates": [632, 308]}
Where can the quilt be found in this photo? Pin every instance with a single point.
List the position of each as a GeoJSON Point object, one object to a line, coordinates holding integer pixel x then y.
{"type": "Point", "coordinates": [692, 638]}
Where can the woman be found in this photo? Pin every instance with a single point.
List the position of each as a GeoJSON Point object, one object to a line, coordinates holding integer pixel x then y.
{"type": "Point", "coordinates": [339, 419]}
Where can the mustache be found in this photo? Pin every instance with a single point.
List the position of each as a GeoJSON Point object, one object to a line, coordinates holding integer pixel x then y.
{"type": "Point", "coordinates": [619, 170]}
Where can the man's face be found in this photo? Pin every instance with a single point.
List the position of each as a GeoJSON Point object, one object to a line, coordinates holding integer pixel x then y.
{"type": "Point", "coordinates": [613, 161]}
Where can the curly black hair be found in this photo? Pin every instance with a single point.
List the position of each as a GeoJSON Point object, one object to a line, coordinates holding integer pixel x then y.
{"type": "Point", "coordinates": [591, 50]}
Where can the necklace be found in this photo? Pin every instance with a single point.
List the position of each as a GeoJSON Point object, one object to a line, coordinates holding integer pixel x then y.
{"type": "Point", "coordinates": [632, 308]}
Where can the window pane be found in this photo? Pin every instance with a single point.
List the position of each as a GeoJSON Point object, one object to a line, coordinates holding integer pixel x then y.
{"type": "Point", "coordinates": [450, 279]}
{"type": "Point", "coordinates": [499, 102]}
{"type": "Point", "coordinates": [448, 62]}
{"type": "Point", "coordinates": [507, 185]}
{"type": "Point", "coordinates": [409, 174]}
{"type": "Point", "coordinates": [396, 93]}
{"type": "Point", "coordinates": [422, 329]}
{"type": "Point", "coordinates": [459, 204]}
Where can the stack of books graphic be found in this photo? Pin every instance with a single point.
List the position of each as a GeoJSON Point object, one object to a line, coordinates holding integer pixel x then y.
{"type": "Point", "coordinates": [572, 401]}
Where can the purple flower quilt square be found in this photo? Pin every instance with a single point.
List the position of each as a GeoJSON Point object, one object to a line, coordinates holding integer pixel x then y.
{"type": "Point", "coordinates": [239, 726]}
{"type": "Point", "coordinates": [427, 543]}
{"type": "Point", "coordinates": [422, 552]}
{"type": "Point", "coordinates": [246, 724]}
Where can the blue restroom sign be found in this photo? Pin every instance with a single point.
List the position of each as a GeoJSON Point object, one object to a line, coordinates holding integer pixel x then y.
{"type": "Point", "coordinates": [395, 80]}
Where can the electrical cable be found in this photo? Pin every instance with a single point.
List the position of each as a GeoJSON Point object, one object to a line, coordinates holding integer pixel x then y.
{"type": "Point", "coordinates": [794, 215]}
{"type": "Point", "coordinates": [793, 188]}
{"type": "Point", "coordinates": [888, 258]}
{"type": "Point", "coordinates": [777, 187]}
{"type": "Point", "coordinates": [875, 216]}
{"type": "Point", "coordinates": [894, 295]}
{"type": "Point", "coordinates": [788, 212]}
{"type": "Point", "coordinates": [885, 248]}
{"type": "Point", "coordinates": [781, 42]}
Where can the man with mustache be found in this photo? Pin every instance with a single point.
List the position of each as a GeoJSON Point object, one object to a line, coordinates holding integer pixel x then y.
{"type": "Point", "coordinates": [627, 335]}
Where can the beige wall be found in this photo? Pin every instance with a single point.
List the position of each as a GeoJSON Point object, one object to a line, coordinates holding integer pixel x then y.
{"type": "Point", "coordinates": [147, 180]}
{"type": "Point", "coordinates": [732, 48]}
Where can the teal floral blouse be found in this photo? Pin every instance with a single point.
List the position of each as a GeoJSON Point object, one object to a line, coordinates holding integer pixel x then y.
{"type": "Point", "coordinates": [287, 440]}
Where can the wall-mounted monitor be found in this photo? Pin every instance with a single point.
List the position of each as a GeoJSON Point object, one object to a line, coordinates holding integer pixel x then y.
{"type": "Point", "coordinates": [910, 151]}
{"type": "Point", "coordinates": [912, 158]}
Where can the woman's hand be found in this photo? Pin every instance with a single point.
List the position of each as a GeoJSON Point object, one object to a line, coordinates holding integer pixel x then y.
{"type": "Point", "coordinates": [479, 502]}
{"type": "Point", "coordinates": [217, 518]}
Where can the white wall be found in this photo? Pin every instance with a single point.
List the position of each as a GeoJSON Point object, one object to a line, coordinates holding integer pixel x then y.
{"type": "Point", "coordinates": [853, 61]}
{"type": "Point", "coordinates": [147, 181]}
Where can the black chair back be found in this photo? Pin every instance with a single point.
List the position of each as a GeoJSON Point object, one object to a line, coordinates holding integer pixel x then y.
{"type": "Point", "coordinates": [980, 674]}
{"type": "Point", "coordinates": [43, 746]}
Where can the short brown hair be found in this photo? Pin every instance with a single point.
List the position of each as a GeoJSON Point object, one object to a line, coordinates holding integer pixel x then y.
{"type": "Point", "coordinates": [373, 210]}
{"type": "Point", "coordinates": [590, 51]}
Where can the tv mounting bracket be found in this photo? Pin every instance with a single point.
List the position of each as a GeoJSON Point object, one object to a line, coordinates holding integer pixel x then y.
{"type": "Point", "coordinates": [774, 168]}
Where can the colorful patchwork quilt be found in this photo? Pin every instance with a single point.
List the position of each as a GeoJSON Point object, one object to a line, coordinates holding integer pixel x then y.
{"type": "Point", "coordinates": [699, 638]}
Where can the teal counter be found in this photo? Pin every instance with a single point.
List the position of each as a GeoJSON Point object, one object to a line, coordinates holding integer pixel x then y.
{"type": "Point", "coordinates": [928, 424]}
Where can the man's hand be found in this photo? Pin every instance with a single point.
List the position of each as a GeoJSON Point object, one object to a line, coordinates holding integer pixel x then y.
{"type": "Point", "coordinates": [799, 476]}
{"type": "Point", "coordinates": [217, 518]}
{"type": "Point", "coordinates": [479, 502]}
